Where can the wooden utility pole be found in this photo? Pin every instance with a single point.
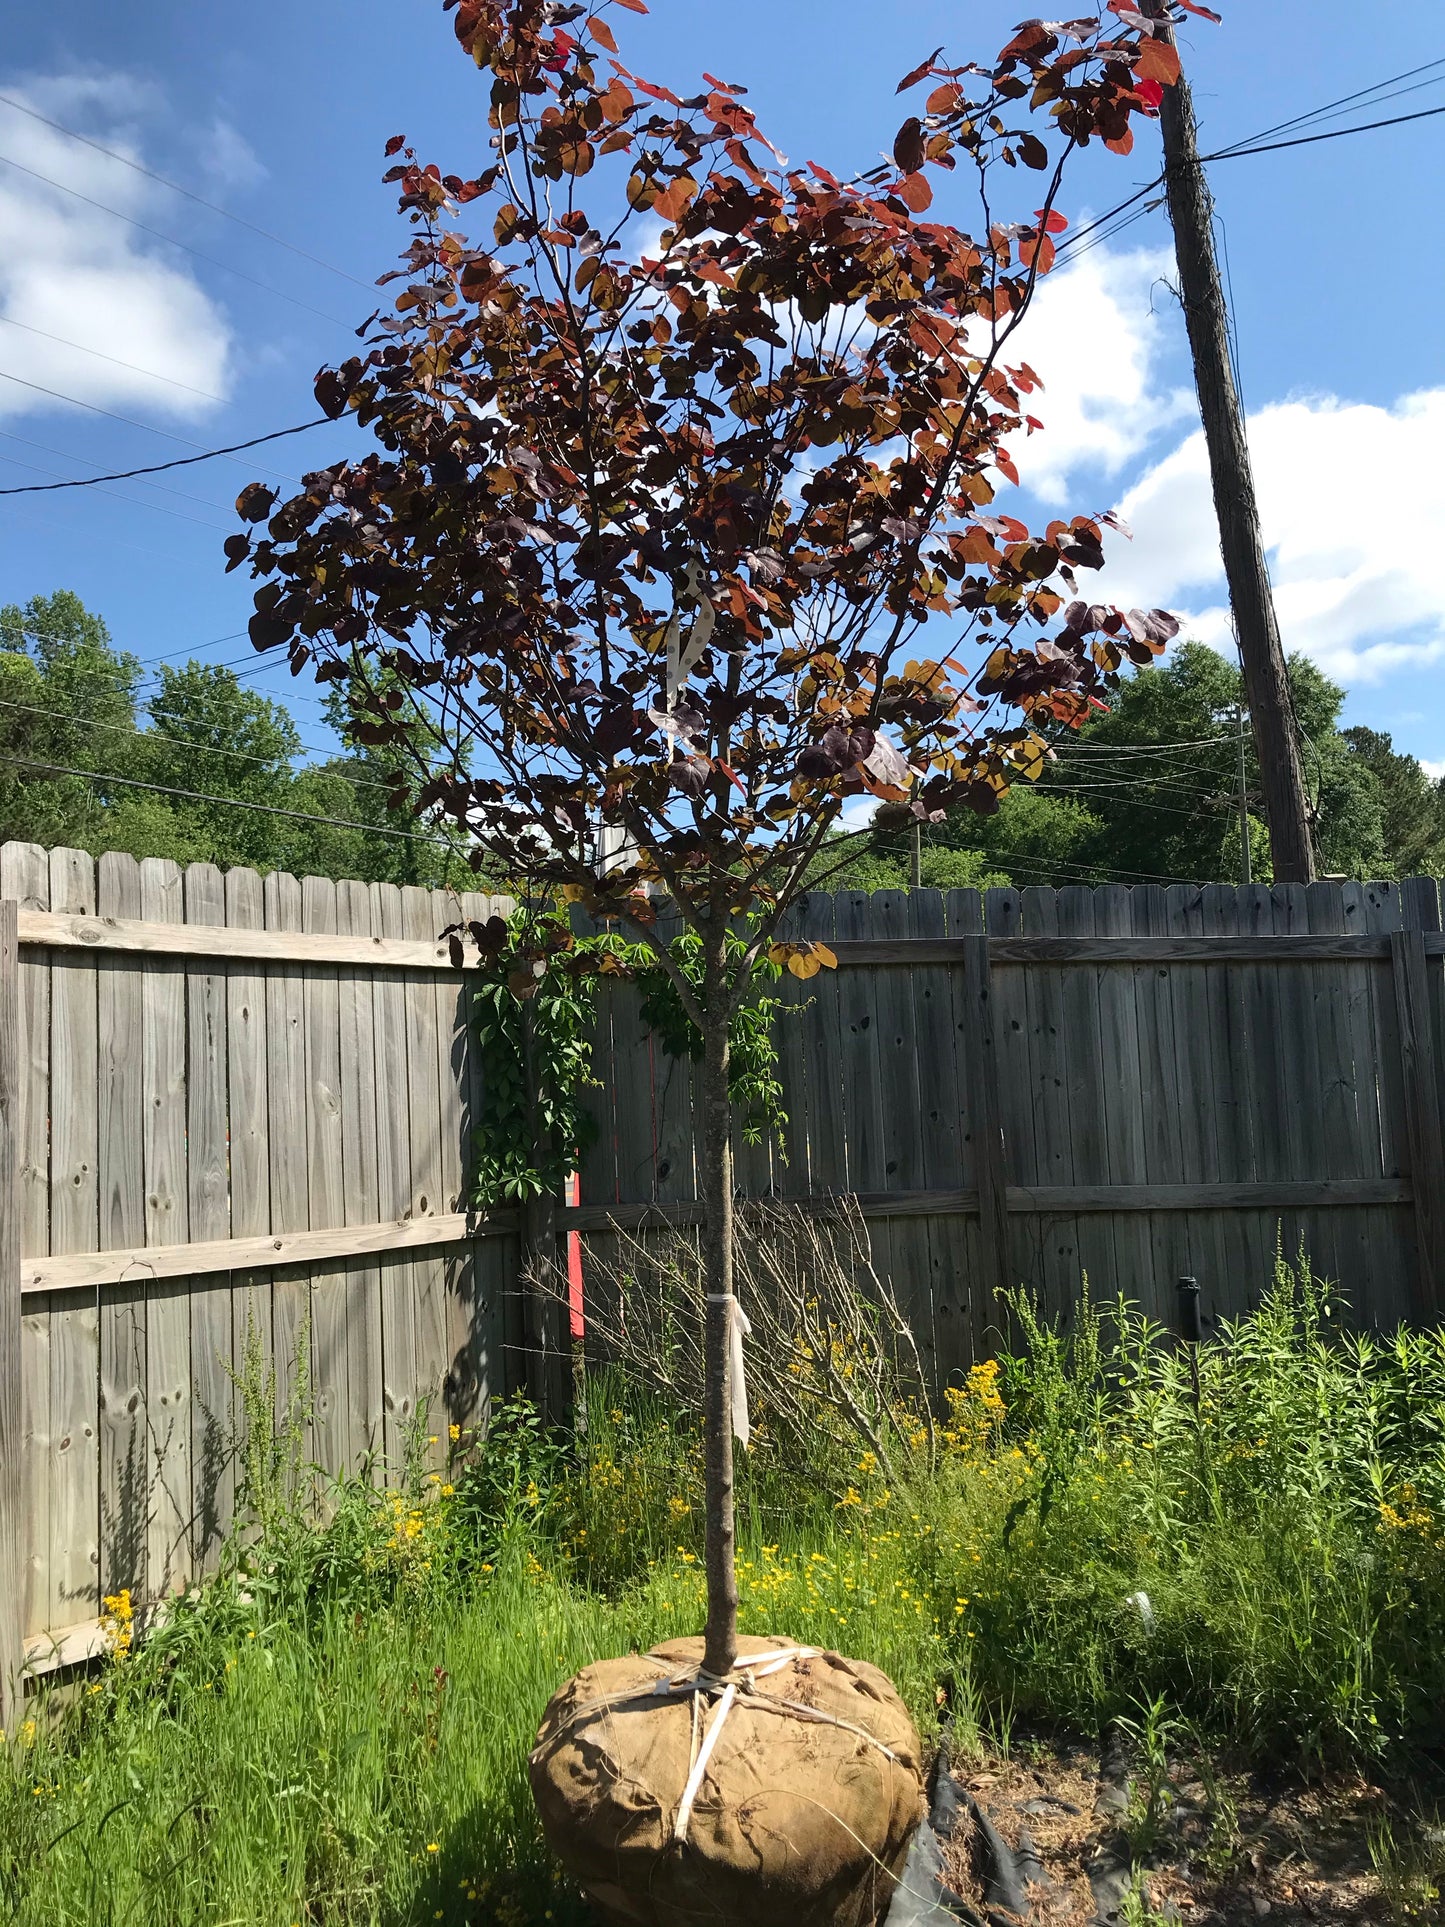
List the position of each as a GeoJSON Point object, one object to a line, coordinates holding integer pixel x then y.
{"type": "Point", "coordinates": [1266, 680]}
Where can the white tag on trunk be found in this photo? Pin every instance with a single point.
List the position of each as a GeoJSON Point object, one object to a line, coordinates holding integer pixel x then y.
{"type": "Point", "coordinates": [738, 1330]}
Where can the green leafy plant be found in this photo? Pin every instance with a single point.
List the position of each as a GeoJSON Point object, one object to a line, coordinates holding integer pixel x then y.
{"type": "Point", "coordinates": [535, 1003]}
{"type": "Point", "coordinates": [534, 1006]}
{"type": "Point", "coordinates": [1152, 1798]}
{"type": "Point", "coordinates": [754, 1086]}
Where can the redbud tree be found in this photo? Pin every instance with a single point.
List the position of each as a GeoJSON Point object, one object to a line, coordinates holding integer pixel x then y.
{"type": "Point", "coordinates": [681, 521]}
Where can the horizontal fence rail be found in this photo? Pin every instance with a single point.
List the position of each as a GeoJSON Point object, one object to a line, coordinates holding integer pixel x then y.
{"type": "Point", "coordinates": [240, 1110]}
{"type": "Point", "coordinates": [183, 940]}
{"type": "Point", "coordinates": [133, 936]}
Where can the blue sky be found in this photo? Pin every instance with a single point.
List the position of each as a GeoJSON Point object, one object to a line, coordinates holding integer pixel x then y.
{"type": "Point", "coordinates": [278, 113]}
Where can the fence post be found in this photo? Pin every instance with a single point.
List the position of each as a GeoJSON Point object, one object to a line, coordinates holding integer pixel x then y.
{"type": "Point", "coordinates": [12, 1534]}
{"type": "Point", "coordinates": [988, 1133]}
{"type": "Point", "coordinates": [1422, 1115]}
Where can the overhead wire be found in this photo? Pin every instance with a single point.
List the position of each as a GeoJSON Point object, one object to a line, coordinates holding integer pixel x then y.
{"type": "Point", "coordinates": [1087, 748]}
{"type": "Point", "coordinates": [170, 240]}
{"type": "Point", "coordinates": [175, 187]}
{"type": "Point", "coordinates": [1344, 101]}
{"type": "Point", "coordinates": [157, 468]}
{"type": "Point", "coordinates": [166, 434]}
{"type": "Point", "coordinates": [1310, 140]}
{"type": "Point", "coordinates": [79, 347]}
{"type": "Point", "coordinates": [1254, 144]}
{"type": "Point", "coordinates": [136, 501]}
{"type": "Point", "coordinates": [194, 742]}
{"type": "Point", "coordinates": [181, 494]}
{"type": "Point", "coordinates": [1023, 859]}
{"type": "Point", "coordinates": [226, 802]}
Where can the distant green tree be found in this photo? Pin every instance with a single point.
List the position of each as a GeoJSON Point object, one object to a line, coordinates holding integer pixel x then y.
{"type": "Point", "coordinates": [1345, 794]}
{"type": "Point", "coordinates": [1158, 771]}
{"type": "Point", "coordinates": [204, 770]}
{"type": "Point", "coordinates": [865, 864]}
{"type": "Point", "coordinates": [402, 852]}
{"type": "Point", "coordinates": [1150, 789]}
{"type": "Point", "coordinates": [67, 702]}
{"type": "Point", "coordinates": [1412, 807]}
{"type": "Point", "coordinates": [1037, 836]}
{"type": "Point", "coordinates": [210, 734]}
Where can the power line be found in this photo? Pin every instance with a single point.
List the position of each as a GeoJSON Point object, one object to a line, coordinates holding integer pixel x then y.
{"type": "Point", "coordinates": [1344, 101]}
{"type": "Point", "coordinates": [115, 361]}
{"type": "Point", "coordinates": [1155, 806]}
{"type": "Point", "coordinates": [176, 188]}
{"type": "Point", "coordinates": [1053, 864]}
{"type": "Point", "coordinates": [160, 508]}
{"type": "Point", "coordinates": [166, 434]}
{"type": "Point", "coordinates": [181, 494]}
{"type": "Point", "coordinates": [192, 742]}
{"type": "Point", "coordinates": [157, 468]}
{"type": "Point", "coordinates": [1308, 140]}
{"type": "Point", "coordinates": [226, 802]}
{"type": "Point", "coordinates": [1112, 233]}
{"type": "Point", "coordinates": [170, 240]}
{"type": "Point", "coordinates": [1138, 749]}
{"type": "Point", "coordinates": [190, 647]}
{"type": "Point", "coordinates": [1257, 144]}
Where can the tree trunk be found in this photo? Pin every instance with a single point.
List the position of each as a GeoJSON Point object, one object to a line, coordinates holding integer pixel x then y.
{"type": "Point", "coordinates": [538, 1224]}
{"type": "Point", "coordinates": [721, 1645]}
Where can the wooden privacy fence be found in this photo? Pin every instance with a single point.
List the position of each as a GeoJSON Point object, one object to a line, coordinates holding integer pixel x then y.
{"type": "Point", "coordinates": [1134, 1083]}
{"type": "Point", "coordinates": [229, 1103]}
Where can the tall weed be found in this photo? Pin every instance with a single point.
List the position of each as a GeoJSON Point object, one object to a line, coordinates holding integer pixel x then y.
{"type": "Point", "coordinates": [1272, 1561]}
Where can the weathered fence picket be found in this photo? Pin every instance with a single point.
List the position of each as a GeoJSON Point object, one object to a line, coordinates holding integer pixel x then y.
{"type": "Point", "coordinates": [236, 1106]}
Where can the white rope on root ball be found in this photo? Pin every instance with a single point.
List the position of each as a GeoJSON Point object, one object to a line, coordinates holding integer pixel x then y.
{"type": "Point", "coordinates": [668, 1805]}
{"type": "Point", "coordinates": [697, 1685]}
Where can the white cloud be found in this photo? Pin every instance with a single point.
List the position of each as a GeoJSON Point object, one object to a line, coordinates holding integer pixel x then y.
{"type": "Point", "coordinates": [857, 812]}
{"type": "Point", "coordinates": [71, 274]}
{"type": "Point", "coordinates": [1096, 335]}
{"type": "Point", "coordinates": [1435, 771]}
{"type": "Point", "coordinates": [1355, 587]}
{"type": "Point", "coordinates": [1356, 584]}
{"type": "Point", "coordinates": [229, 158]}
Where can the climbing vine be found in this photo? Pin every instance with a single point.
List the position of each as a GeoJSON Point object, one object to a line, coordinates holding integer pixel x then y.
{"type": "Point", "coordinates": [535, 999]}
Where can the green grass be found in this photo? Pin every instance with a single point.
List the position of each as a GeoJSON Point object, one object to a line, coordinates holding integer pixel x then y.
{"type": "Point", "coordinates": [336, 1730]}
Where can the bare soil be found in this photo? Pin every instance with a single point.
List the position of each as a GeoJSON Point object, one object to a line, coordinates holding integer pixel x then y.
{"type": "Point", "coordinates": [1241, 1848]}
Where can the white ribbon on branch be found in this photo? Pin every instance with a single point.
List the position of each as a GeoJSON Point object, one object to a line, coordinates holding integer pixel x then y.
{"type": "Point", "coordinates": [682, 661]}
{"type": "Point", "coordinates": [738, 1330]}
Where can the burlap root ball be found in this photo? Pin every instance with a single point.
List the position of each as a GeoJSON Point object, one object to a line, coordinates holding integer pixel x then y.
{"type": "Point", "coordinates": [795, 1823]}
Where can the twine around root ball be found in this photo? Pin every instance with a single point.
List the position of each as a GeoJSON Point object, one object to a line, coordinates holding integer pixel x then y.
{"type": "Point", "coordinates": [698, 1683]}
{"type": "Point", "coordinates": [620, 1797]}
